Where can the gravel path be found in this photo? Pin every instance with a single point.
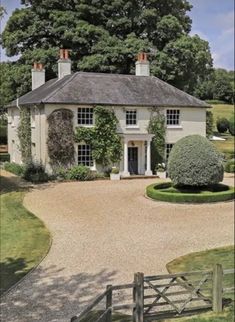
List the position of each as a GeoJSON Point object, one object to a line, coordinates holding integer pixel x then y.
{"type": "Point", "coordinates": [103, 232]}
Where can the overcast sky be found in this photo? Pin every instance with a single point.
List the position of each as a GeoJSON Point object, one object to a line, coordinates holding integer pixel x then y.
{"type": "Point", "coordinates": [213, 20]}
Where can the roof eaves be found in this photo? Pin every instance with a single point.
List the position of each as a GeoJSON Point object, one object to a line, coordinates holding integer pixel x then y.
{"type": "Point", "coordinates": [202, 103]}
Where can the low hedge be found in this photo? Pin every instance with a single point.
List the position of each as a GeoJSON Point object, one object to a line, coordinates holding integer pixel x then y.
{"type": "Point", "coordinates": [166, 192]}
{"type": "Point", "coordinates": [4, 157]}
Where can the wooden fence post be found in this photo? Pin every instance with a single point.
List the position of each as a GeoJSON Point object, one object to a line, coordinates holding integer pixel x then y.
{"type": "Point", "coordinates": [218, 288]}
{"type": "Point", "coordinates": [138, 297]}
{"type": "Point", "coordinates": [109, 303]}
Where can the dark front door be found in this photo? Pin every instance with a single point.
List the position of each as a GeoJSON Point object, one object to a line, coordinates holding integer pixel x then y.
{"type": "Point", "coordinates": [133, 160]}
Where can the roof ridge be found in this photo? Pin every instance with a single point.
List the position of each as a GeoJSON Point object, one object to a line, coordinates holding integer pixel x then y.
{"type": "Point", "coordinates": [60, 87]}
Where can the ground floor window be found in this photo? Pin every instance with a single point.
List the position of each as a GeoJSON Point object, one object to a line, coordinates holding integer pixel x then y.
{"type": "Point", "coordinates": [169, 146]}
{"type": "Point", "coordinates": [85, 155]}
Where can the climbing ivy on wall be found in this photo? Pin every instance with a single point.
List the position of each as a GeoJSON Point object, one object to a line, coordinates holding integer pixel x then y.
{"type": "Point", "coordinates": [157, 126]}
{"type": "Point", "coordinates": [60, 141]}
{"type": "Point", "coordinates": [24, 134]}
{"type": "Point", "coordinates": [103, 138]}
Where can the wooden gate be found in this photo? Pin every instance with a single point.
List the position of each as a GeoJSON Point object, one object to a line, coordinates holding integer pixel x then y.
{"type": "Point", "coordinates": [162, 296]}
{"type": "Point", "coordinates": [177, 294]}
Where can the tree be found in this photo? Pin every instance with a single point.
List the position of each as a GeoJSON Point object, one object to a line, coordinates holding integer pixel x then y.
{"type": "Point", "coordinates": [219, 85]}
{"type": "Point", "coordinates": [223, 89]}
{"type": "Point", "coordinates": [184, 62]}
{"type": "Point", "coordinates": [106, 35]}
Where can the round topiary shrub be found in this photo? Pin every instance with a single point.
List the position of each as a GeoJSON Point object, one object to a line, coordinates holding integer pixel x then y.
{"type": "Point", "coordinates": [194, 161]}
{"type": "Point", "coordinates": [232, 126]}
{"type": "Point", "coordinates": [222, 125]}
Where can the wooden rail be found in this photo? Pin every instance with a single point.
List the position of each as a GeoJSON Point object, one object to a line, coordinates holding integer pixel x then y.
{"type": "Point", "coordinates": [164, 296]}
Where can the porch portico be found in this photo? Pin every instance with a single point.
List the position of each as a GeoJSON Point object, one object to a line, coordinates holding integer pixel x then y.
{"type": "Point", "coordinates": [137, 154]}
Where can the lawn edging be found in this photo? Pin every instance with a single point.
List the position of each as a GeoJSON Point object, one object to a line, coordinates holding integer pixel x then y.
{"type": "Point", "coordinates": [156, 191]}
{"type": "Point", "coordinates": [43, 256]}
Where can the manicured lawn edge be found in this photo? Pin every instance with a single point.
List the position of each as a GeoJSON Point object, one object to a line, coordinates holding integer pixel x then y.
{"type": "Point", "coordinates": [43, 255]}
{"type": "Point", "coordinates": [160, 195]}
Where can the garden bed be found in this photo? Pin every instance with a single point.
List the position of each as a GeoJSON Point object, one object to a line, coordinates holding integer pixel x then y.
{"type": "Point", "coordinates": [166, 192]}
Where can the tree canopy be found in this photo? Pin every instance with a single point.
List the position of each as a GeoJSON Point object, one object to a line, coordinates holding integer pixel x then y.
{"type": "Point", "coordinates": [105, 36]}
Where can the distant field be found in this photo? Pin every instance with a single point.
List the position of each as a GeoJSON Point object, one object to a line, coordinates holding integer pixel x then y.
{"type": "Point", "coordinates": [227, 111]}
{"type": "Point", "coordinates": [223, 110]}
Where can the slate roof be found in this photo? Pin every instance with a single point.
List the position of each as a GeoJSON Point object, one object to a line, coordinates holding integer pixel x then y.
{"type": "Point", "coordinates": [109, 89]}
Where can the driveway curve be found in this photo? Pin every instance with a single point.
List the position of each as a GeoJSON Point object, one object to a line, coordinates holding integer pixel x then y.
{"type": "Point", "coordinates": [103, 232]}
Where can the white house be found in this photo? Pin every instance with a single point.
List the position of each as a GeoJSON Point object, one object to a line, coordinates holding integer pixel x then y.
{"type": "Point", "coordinates": [134, 98]}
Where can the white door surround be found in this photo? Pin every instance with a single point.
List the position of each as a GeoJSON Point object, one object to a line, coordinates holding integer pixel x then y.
{"type": "Point", "coordinates": [138, 140]}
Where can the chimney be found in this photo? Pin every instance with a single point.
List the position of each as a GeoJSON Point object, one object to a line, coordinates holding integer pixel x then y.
{"type": "Point", "coordinates": [64, 63]}
{"type": "Point", "coordinates": [142, 65]}
{"type": "Point", "coordinates": [38, 75]}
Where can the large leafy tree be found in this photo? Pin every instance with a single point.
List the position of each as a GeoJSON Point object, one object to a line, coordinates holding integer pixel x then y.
{"type": "Point", "coordinates": [106, 35]}
{"type": "Point", "coordinates": [219, 85]}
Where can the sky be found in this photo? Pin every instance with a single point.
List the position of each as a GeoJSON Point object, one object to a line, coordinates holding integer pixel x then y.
{"type": "Point", "coordinates": [213, 20]}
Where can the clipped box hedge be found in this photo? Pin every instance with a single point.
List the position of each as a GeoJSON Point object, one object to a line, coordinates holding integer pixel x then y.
{"type": "Point", "coordinates": [4, 157]}
{"type": "Point", "coordinates": [162, 192]}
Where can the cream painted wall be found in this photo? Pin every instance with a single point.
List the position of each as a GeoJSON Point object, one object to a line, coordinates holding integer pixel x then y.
{"type": "Point", "coordinates": [13, 140]}
{"type": "Point", "coordinates": [192, 121]}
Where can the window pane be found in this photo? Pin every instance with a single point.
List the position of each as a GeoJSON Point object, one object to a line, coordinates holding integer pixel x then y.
{"type": "Point", "coordinates": [85, 115]}
{"type": "Point", "coordinates": [131, 117]}
{"type": "Point", "coordinates": [85, 155]}
{"type": "Point", "coordinates": [173, 117]}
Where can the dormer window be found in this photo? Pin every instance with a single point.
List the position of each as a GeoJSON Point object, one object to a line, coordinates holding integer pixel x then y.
{"type": "Point", "coordinates": [85, 116]}
{"type": "Point", "coordinates": [173, 117]}
{"type": "Point", "coordinates": [131, 117]}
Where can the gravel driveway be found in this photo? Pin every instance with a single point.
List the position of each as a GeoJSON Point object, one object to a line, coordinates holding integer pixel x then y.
{"type": "Point", "coordinates": [103, 232]}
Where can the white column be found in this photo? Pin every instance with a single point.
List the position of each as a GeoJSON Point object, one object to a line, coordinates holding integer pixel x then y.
{"type": "Point", "coordinates": [148, 171]}
{"type": "Point", "coordinates": [125, 159]}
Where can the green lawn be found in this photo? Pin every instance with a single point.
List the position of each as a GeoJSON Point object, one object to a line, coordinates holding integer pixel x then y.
{"type": "Point", "coordinates": [227, 111]}
{"type": "Point", "coordinates": [222, 110]}
{"type": "Point", "coordinates": [24, 240]}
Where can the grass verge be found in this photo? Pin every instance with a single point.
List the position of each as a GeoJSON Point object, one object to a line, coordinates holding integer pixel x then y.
{"type": "Point", "coordinates": [165, 192]}
{"type": "Point", "coordinates": [24, 240]}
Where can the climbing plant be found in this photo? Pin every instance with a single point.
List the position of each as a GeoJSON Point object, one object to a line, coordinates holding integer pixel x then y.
{"type": "Point", "coordinates": [24, 134]}
{"type": "Point", "coordinates": [157, 126]}
{"type": "Point", "coordinates": [209, 124]}
{"type": "Point", "coordinates": [103, 138]}
{"type": "Point", "coordinates": [60, 141]}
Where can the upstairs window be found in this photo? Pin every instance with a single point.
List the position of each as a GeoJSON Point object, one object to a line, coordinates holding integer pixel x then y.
{"type": "Point", "coordinates": [85, 116]}
{"type": "Point", "coordinates": [173, 117]}
{"type": "Point", "coordinates": [85, 155]}
{"type": "Point", "coordinates": [131, 117]}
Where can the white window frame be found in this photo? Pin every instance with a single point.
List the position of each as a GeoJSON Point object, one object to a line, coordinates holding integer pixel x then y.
{"type": "Point", "coordinates": [88, 116]}
{"type": "Point", "coordinates": [168, 149]}
{"type": "Point", "coordinates": [135, 118]}
{"type": "Point", "coordinates": [171, 123]}
{"type": "Point", "coordinates": [87, 157]}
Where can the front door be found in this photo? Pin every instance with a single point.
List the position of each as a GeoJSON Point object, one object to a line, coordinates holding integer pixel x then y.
{"type": "Point", "coordinates": [133, 160]}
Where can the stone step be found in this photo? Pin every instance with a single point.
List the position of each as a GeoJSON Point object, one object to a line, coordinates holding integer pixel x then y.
{"type": "Point", "coordinates": [139, 176]}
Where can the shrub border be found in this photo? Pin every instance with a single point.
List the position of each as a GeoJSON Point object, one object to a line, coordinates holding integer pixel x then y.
{"type": "Point", "coordinates": [189, 197]}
